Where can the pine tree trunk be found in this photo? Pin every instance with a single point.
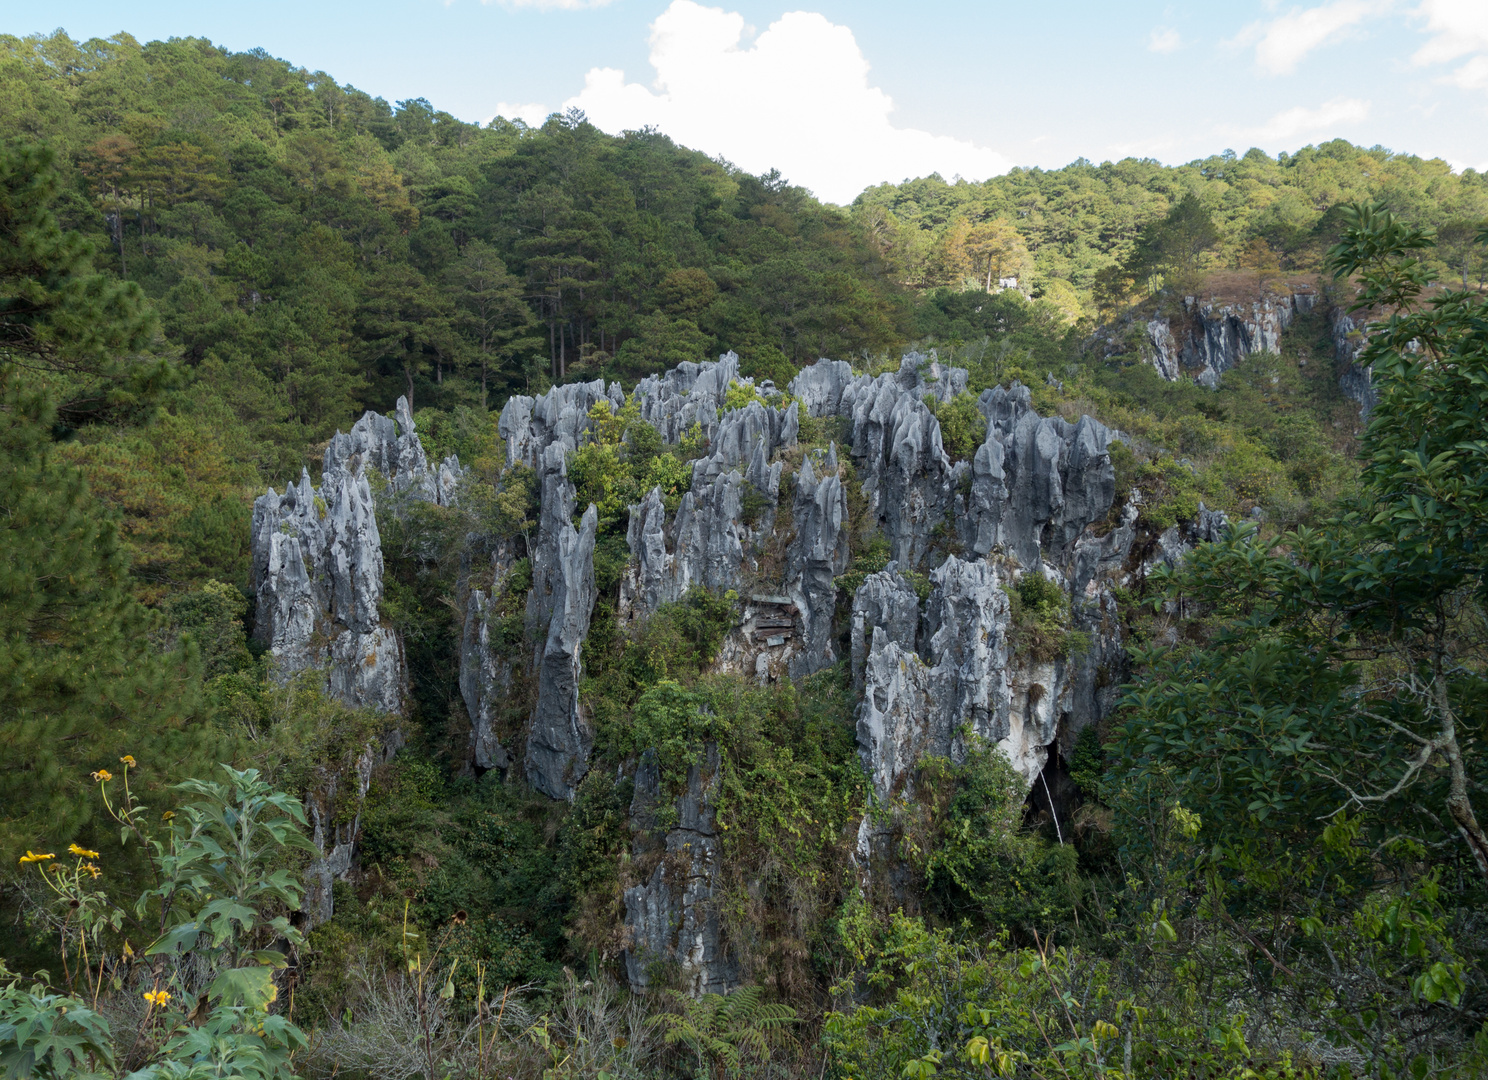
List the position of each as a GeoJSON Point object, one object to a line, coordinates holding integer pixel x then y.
{"type": "Point", "coordinates": [1458, 803]}
{"type": "Point", "coordinates": [119, 235]}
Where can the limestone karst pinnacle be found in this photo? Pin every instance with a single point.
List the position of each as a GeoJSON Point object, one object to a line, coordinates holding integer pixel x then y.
{"type": "Point", "coordinates": [769, 521]}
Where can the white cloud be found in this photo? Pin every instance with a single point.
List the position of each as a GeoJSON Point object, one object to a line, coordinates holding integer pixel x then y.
{"type": "Point", "coordinates": [1282, 43]}
{"type": "Point", "coordinates": [532, 114]}
{"type": "Point", "coordinates": [797, 99]}
{"type": "Point", "coordinates": [1164, 40]}
{"type": "Point", "coordinates": [1472, 75]}
{"type": "Point", "coordinates": [1301, 121]}
{"type": "Point", "coordinates": [1459, 28]}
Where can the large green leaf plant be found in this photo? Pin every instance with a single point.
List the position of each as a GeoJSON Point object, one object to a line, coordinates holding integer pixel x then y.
{"type": "Point", "coordinates": [217, 924]}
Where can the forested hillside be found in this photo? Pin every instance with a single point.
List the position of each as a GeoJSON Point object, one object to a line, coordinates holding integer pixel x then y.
{"type": "Point", "coordinates": [480, 600]}
{"type": "Point", "coordinates": [312, 252]}
{"type": "Point", "coordinates": [1081, 236]}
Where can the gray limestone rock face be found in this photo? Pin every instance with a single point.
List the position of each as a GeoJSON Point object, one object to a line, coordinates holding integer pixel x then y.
{"type": "Point", "coordinates": [1206, 527]}
{"type": "Point", "coordinates": [986, 502]}
{"type": "Point", "coordinates": [1031, 453]}
{"type": "Point", "coordinates": [966, 627]}
{"type": "Point", "coordinates": [1025, 503]}
{"type": "Point", "coordinates": [485, 682]}
{"type": "Point", "coordinates": [1174, 544]}
{"type": "Point", "coordinates": [1211, 338]}
{"type": "Point", "coordinates": [816, 556]}
{"type": "Point", "coordinates": [819, 388]}
{"type": "Point", "coordinates": [391, 445]}
{"type": "Point", "coordinates": [829, 387]}
{"type": "Point", "coordinates": [530, 425]}
{"type": "Point", "coordinates": [353, 552]}
{"type": "Point", "coordinates": [1091, 679]}
{"type": "Point", "coordinates": [905, 474]}
{"type": "Point", "coordinates": [884, 605]}
{"type": "Point", "coordinates": [540, 433]}
{"type": "Point", "coordinates": [709, 535]}
{"type": "Point", "coordinates": [554, 516]}
{"type": "Point", "coordinates": [1037, 482]}
{"type": "Point", "coordinates": [902, 465]}
{"type": "Point", "coordinates": [742, 436]}
{"type": "Point", "coordinates": [914, 705]}
{"type": "Point", "coordinates": [318, 579]}
{"type": "Point", "coordinates": [560, 739]}
{"type": "Point", "coordinates": [687, 395]}
{"type": "Point", "coordinates": [368, 669]}
{"type": "Point", "coordinates": [651, 579]}
{"type": "Point", "coordinates": [968, 672]}
{"type": "Point", "coordinates": [292, 593]}
{"type": "Point", "coordinates": [1356, 380]}
{"type": "Point", "coordinates": [514, 425]}
{"type": "Point", "coordinates": [1166, 354]}
{"type": "Point", "coordinates": [317, 562]}
{"type": "Point", "coordinates": [911, 486]}
{"type": "Point", "coordinates": [1087, 480]}
{"type": "Point", "coordinates": [670, 917]}
{"type": "Point", "coordinates": [932, 378]}
{"type": "Point", "coordinates": [1032, 491]}
{"type": "Point", "coordinates": [709, 543]}
{"type": "Point", "coordinates": [335, 841]}
{"type": "Point", "coordinates": [1348, 336]}
{"type": "Point", "coordinates": [897, 721]}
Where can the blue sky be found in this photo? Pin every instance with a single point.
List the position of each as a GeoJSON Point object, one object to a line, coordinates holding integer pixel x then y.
{"type": "Point", "coordinates": [838, 95]}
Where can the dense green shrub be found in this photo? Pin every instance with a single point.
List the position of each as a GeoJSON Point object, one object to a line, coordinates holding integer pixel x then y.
{"type": "Point", "coordinates": [977, 861]}
{"type": "Point", "coordinates": [963, 428]}
{"type": "Point", "coordinates": [676, 642]}
{"type": "Point", "coordinates": [1039, 615]}
{"type": "Point", "coordinates": [624, 459]}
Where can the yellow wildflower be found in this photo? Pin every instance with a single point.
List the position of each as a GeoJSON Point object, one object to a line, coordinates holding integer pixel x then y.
{"type": "Point", "coordinates": [29, 857]}
{"type": "Point", "coordinates": [92, 869]}
{"type": "Point", "coordinates": [157, 997]}
{"type": "Point", "coordinates": [167, 815]}
{"type": "Point", "coordinates": [127, 759]}
{"type": "Point", "coordinates": [82, 852]}
{"type": "Point", "coordinates": [103, 774]}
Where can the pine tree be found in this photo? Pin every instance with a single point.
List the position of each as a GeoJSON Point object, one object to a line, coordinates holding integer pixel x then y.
{"type": "Point", "coordinates": [1175, 247]}
{"type": "Point", "coordinates": [76, 332]}
{"type": "Point", "coordinates": [493, 313]}
{"type": "Point", "coordinates": [80, 684]}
